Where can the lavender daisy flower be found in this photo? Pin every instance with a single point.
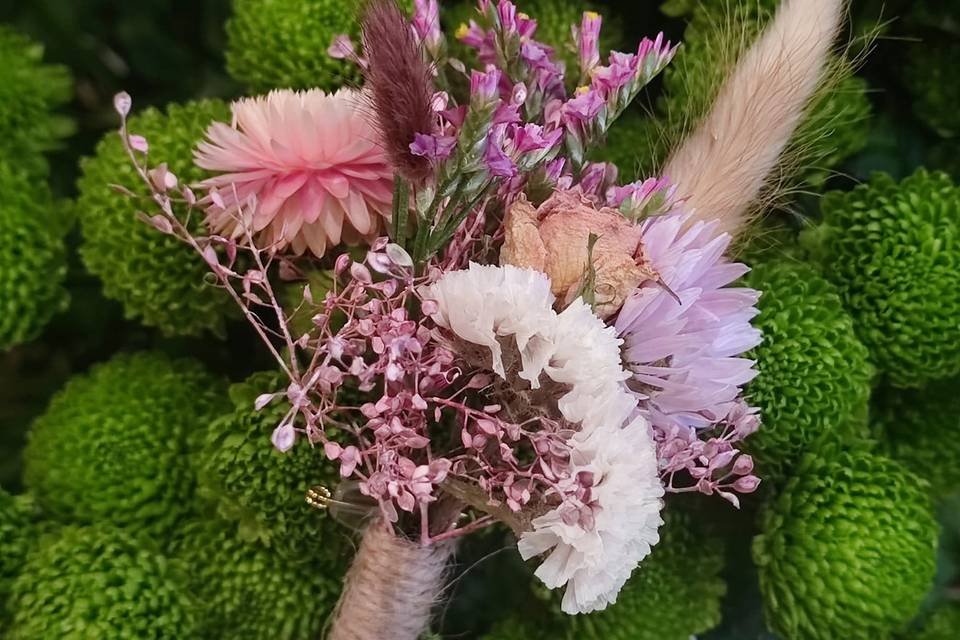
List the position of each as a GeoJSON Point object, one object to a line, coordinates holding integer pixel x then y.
{"type": "Point", "coordinates": [683, 337]}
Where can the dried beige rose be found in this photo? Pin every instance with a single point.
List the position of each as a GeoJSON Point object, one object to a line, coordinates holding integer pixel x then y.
{"type": "Point", "coordinates": [554, 239]}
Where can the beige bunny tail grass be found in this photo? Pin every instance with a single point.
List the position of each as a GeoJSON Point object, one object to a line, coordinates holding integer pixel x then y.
{"type": "Point", "coordinates": [731, 158]}
{"type": "Point", "coordinates": [390, 588]}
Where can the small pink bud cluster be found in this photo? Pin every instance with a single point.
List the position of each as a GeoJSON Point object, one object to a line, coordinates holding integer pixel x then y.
{"type": "Point", "coordinates": [711, 461]}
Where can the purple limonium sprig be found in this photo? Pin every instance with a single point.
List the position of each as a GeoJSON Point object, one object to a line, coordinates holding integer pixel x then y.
{"type": "Point", "coordinates": [507, 17]}
{"type": "Point", "coordinates": [426, 26]}
{"type": "Point", "coordinates": [343, 48]}
{"type": "Point", "coordinates": [506, 39]}
{"type": "Point", "coordinates": [485, 87]}
{"type": "Point", "coordinates": [498, 163]}
{"type": "Point", "coordinates": [642, 199]}
{"type": "Point", "coordinates": [597, 178]}
{"type": "Point", "coordinates": [588, 43]}
{"type": "Point", "coordinates": [588, 115]}
{"type": "Point", "coordinates": [433, 147]}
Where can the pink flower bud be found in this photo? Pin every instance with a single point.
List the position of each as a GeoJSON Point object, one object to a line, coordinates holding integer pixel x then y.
{"type": "Point", "coordinates": [343, 261]}
{"type": "Point", "coordinates": [332, 450]}
{"type": "Point", "coordinates": [139, 143]}
{"type": "Point", "coordinates": [283, 437]}
{"type": "Point", "coordinates": [743, 465]}
{"type": "Point", "coordinates": [122, 103]}
{"type": "Point", "coordinates": [747, 484]}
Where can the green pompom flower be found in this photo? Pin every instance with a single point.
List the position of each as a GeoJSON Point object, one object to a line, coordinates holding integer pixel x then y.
{"type": "Point", "coordinates": [518, 627]}
{"type": "Point", "coordinates": [18, 529]}
{"type": "Point", "coordinates": [33, 259]}
{"type": "Point", "coordinates": [30, 92]}
{"type": "Point", "coordinates": [262, 489]}
{"type": "Point", "coordinates": [920, 428]}
{"type": "Point", "coordinates": [674, 594]}
{"type": "Point", "coordinates": [634, 144]}
{"type": "Point", "coordinates": [112, 445]}
{"type": "Point", "coordinates": [943, 624]}
{"type": "Point", "coordinates": [158, 279]}
{"type": "Point", "coordinates": [245, 592]}
{"type": "Point", "coordinates": [848, 548]}
{"type": "Point", "coordinates": [893, 251]}
{"type": "Point", "coordinates": [934, 83]}
{"type": "Point", "coordinates": [282, 44]}
{"type": "Point", "coordinates": [814, 377]}
{"type": "Point", "coordinates": [837, 122]}
{"type": "Point", "coordinates": [93, 583]}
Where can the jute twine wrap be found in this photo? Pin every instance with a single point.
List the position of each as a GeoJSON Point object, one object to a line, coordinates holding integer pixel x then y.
{"type": "Point", "coordinates": [390, 588]}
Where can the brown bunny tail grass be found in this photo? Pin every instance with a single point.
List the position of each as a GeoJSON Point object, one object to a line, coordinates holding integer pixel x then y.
{"type": "Point", "coordinates": [400, 83]}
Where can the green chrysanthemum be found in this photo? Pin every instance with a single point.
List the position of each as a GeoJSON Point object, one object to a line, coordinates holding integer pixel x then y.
{"type": "Point", "coordinates": [674, 594]}
{"type": "Point", "coordinates": [934, 83]}
{"type": "Point", "coordinates": [30, 92]}
{"type": "Point", "coordinates": [159, 280]}
{"type": "Point", "coordinates": [92, 583]}
{"type": "Point", "coordinates": [633, 145]}
{"type": "Point", "coordinates": [519, 627]}
{"type": "Point", "coordinates": [282, 44]}
{"type": "Point", "coordinates": [943, 624]}
{"type": "Point", "coordinates": [893, 250]}
{"type": "Point", "coordinates": [261, 488]}
{"type": "Point", "coordinates": [18, 516]}
{"type": "Point", "coordinates": [245, 592]}
{"type": "Point", "coordinates": [32, 257]}
{"type": "Point", "coordinates": [814, 381]}
{"type": "Point", "coordinates": [848, 548]}
{"type": "Point", "coordinates": [920, 428]}
{"type": "Point", "coordinates": [836, 125]}
{"type": "Point", "coordinates": [112, 445]}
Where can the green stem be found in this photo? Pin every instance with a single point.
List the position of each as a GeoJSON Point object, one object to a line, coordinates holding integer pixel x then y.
{"type": "Point", "coordinates": [401, 207]}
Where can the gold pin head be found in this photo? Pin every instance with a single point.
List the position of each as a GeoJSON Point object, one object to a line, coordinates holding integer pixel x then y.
{"type": "Point", "coordinates": [319, 497]}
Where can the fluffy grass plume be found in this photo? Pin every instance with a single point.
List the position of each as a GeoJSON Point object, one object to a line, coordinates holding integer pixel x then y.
{"type": "Point", "coordinates": [744, 132]}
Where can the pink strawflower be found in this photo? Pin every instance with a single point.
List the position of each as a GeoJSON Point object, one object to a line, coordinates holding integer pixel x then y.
{"type": "Point", "coordinates": [302, 170]}
{"type": "Point", "coordinates": [683, 338]}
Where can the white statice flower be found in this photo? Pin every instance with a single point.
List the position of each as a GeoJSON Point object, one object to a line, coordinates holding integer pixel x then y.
{"type": "Point", "coordinates": [482, 304]}
{"type": "Point", "coordinates": [594, 563]}
{"type": "Point", "coordinates": [615, 447]}
{"type": "Point", "coordinates": [593, 557]}
{"type": "Point", "coordinates": [586, 357]}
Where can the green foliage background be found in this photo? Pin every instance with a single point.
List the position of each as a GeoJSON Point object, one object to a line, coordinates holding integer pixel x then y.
{"type": "Point", "coordinates": [174, 51]}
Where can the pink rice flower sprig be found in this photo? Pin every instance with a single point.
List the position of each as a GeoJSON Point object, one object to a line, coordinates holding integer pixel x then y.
{"type": "Point", "coordinates": [364, 337]}
{"type": "Point", "coordinates": [709, 462]}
